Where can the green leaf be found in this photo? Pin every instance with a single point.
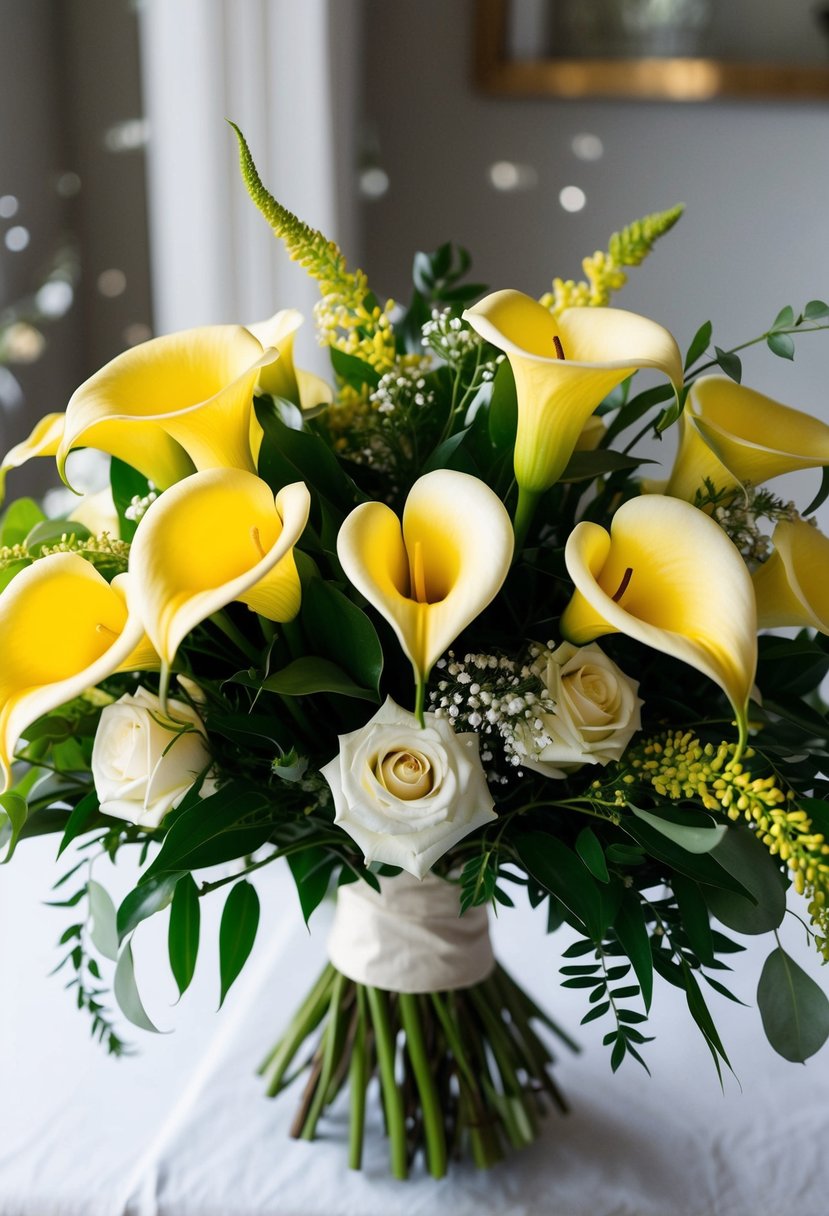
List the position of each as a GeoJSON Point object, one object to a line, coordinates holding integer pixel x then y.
{"type": "Point", "coordinates": [700, 866]}
{"type": "Point", "coordinates": [822, 494]}
{"type": "Point", "coordinates": [127, 483]}
{"type": "Point", "coordinates": [598, 1011]}
{"type": "Point", "coordinates": [636, 408]}
{"type": "Point", "coordinates": [730, 363]}
{"type": "Point", "coordinates": [18, 520]}
{"type": "Point", "coordinates": [584, 466]}
{"type": "Point", "coordinates": [15, 810]}
{"type": "Point", "coordinates": [183, 932]}
{"type": "Point", "coordinates": [85, 816]}
{"type": "Point", "coordinates": [441, 457]}
{"type": "Point", "coordinates": [210, 831]}
{"type": "Point", "coordinates": [126, 993]}
{"type": "Point", "coordinates": [561, 872]}
{"type": "Point", "coordinates": [700, 1013]}
{"type": "Point", "coordinates": [629, 927]}
{"type": "Point", "coordinates": [311, 870]}
{"type": "Point", "coordinates": [104, 927]}
{"type": "Point", "coordinates": [340, 631]}
{"type": "Point", "coordinates": [794, 1009]}
{"type": "Point", "coordinates": [503, 408]}
{"type": "Point", "coordinates": [237, 932]}
{"type": "Point", "coordinates": [311, 674]}
{"type": "Point", "coordinates": [693, 912]}
{"type": "Point", "coordinates": [699, 344]}
{"type": "Point", "coordinates": [749, 861]}
{"type": "Point", "coordinates": [781, 345]}
{"type": "Point", "coordinates": [144, 901]}
{"type": "Point", "coordinates": [287, 456]}
{"type": "Point", "coordinates": [784, 319]}
{"type": "Point", "coordinates": [51, 531]}
{"type": "Point", "coordinates": [700, 835]}
{"type": "Point", "coordinates": [816, 309]}
{"type": "Point", "coordinates": [353, 370]}
{"type": "Point", "coordinates": [590, 851]}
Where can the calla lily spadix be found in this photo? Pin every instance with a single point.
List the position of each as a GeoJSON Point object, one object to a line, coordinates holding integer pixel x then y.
{"type": "Point", "coordinates": [281, 378]}
{"type": "Point", "coordinates": [434, 574]}
{"type": "Point", "coordinates": [218, 536]}
{"type": "Point", "coordinates": [563, 368]}
{"type": "Point", "coordinates": [668, 576]}
{"type": "Point", "coordinates": [172, 404]}
{"type": "Point", "coordinates": [730, 435]}
{"type": "Point", "coordinates": [43, 441]}
{"type": "Point", "coordinates": [64, 629]}
{"type": "Point", "coordinates": [792, 586]}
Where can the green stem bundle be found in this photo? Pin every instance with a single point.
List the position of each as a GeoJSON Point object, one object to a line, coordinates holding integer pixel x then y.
{"type": "Point", "coordinates": [459, 1072]}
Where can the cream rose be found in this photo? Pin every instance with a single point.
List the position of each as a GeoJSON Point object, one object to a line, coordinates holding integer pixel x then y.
{"type": "Point", "coordinates": [597, 711]}
{"type": "Point", "coordinates": [404, 794]}
{"type": "Point", "coordinates": [145, 761]}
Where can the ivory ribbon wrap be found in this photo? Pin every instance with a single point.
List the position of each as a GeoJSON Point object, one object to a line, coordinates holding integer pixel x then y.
{"type": "Point", "coordinates": [409, 937]}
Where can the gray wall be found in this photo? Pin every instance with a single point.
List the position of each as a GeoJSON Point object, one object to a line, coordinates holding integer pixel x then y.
{"type": "Point", "coordinates": [754, 177]}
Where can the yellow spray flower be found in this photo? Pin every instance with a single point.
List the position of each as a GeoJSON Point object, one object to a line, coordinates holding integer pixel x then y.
{"type": "Point", "coordinates": [668, 576]}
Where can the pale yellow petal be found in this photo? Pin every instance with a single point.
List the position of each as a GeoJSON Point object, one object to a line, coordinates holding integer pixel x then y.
{"type": "Point", "coordinates": [215, 537]}
{"type": "Point", "coordinates": [792, 587]}
{"type": "Point", "coordinates": [733, 434]}
{"type": "Point", "coordinates": [667, 575]}
{"type": "Point", "coordinates": [64, 629]}
{"type": "Point", "coordinates": [172, 403]}
{"type": "Point", "coordinates": [279, 378]}
{"type": "Point", "coordinates": [43, 441]}
{"type": "Point", "coordinates": [433, 576]}
{"type": "Point", "coordinates": [563, 368]}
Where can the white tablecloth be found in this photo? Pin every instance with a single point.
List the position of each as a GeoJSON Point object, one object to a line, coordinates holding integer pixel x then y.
{"type": "Point", "coordinates": [182, 1129]}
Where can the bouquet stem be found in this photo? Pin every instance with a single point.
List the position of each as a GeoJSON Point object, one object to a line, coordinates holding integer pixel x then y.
{"type": "Point", "coordinates": [462, 1071]}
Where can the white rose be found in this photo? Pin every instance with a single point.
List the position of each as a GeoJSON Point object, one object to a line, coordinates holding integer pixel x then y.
{"type": "Point", "coordinates": [143, 761]}
{"type": "Point", "coordinates": [597, 712]}
{"type": "Point", "coordinates": [405, 794]}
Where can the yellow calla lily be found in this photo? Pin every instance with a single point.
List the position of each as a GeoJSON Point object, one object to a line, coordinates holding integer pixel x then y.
{"type": "Point", "coordinates": [667, 575]}
{"type": "Point", "coordinates": [43, 441]}
{"type": "Point", "coordinates": [281, 378]}
{"type": "Point", "coordinates": [563, 367]}
{"type": "Point", "coordinates": [431, 577]}
{"type": "Point", "coordinates": [172, 404]}
{"type": "Point", "coordinates": [792, 587]}
{"type": "Point", "coordinates": [730, 434]}
{"type": "Point", "coordinates": [64, 629]}
{"type": "Point", "coordinates": [218, 536]}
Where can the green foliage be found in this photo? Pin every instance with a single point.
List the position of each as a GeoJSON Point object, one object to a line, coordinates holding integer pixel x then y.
{"type": "Point", "coordinates": [794, 1009]}
{"type": "Point", "coordinates": [183, 932]}
{"type": "Point", "coordinates": [237, 933]}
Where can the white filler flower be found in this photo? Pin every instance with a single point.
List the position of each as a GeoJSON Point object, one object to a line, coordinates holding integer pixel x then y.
{"type": "Point", "coordinates": [145, 761]}
{"type": "Point", "coordinates": [404, 794]}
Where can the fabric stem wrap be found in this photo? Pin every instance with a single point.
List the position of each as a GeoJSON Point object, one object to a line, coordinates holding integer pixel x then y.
{"type": "Point", "coordinates": [409, 936]}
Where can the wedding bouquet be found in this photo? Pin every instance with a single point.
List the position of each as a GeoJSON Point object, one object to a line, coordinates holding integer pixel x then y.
{"type": "Point", "coordinates": [436, 634]}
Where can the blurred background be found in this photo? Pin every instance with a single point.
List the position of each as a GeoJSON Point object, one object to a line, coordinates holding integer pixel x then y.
{"type": "Point", "coordinates": [122, 213]}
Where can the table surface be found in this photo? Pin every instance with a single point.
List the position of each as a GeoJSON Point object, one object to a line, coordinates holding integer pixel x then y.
{"type": "Point", "coordinates": [182, 1127]}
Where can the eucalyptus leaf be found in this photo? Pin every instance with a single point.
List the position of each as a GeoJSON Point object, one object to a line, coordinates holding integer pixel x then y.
{"type": "Point", "coordinates": [743, 855]}
{"type": "Point", "coordinates": [781, 345]}
{"type": "Point", "coordinates": [730, 363]}
{"type": "Point", "coordinates": [694, 838]}
{"type": "Point", "coordinates": [794, 1009]}
{"type": "Point", "coordinates": [126, 993]}
{"type": "Point", "coordinates": [815, 310]}
{"type": "Point", "coordinates": [104, 921]}
{"type": "Point", "coordinates": [784, 319]}
{"type": "Point", "coordinates": [237, 933]}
